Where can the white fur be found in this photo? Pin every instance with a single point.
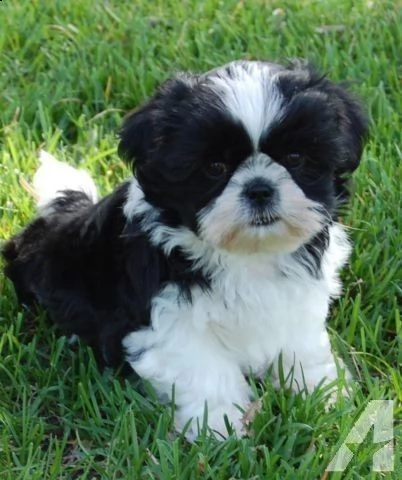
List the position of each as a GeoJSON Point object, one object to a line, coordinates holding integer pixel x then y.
{"type": "Point", "coordinates": [250, 95]}
{"type": "Point", "coordinates": [253, 314]}
{"type": "Point", "coordinates": [263, 304]}
{"type": "Point", "coordinates": [53, 176]}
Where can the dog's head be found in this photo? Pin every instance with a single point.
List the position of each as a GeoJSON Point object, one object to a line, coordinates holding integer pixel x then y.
{"type": "Point", "coordinates": [250, 156]}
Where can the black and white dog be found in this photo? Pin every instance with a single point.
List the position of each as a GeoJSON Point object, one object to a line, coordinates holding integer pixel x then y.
{"type": "Point", "coordinates": [222, 253]}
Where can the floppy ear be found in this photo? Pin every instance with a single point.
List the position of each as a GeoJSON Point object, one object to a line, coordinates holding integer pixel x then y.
{"type": "Point", "coordinates": [350, 118]}
{"type": "Point", "coordinates": [137, 132]}
{"type": "Point", "coordinates": [142, 128]}
{"type": "Point", "coordinates": [352, 124]}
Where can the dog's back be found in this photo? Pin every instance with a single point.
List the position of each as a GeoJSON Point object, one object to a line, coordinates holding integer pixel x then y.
{"type": "Point", "coordinates": [71, 258]}
{"type": "Point", "coordinates": [62, 192]}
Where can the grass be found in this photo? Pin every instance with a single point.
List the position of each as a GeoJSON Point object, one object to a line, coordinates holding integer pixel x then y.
{"type": "Point", "coordinates": [68, 72]}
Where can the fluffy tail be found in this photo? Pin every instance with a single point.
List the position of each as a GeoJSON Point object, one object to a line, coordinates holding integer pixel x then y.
{"type": "Point", "coordinates": [58, 188]}
{"type": "Point", "coordinates": [54, 180]}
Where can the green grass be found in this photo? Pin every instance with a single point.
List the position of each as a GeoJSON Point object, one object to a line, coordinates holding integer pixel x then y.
{"type": "Point", "coordinates": [68, 72]}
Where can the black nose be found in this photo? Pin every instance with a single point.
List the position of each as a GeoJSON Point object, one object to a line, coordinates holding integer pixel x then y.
{"type": "Point", "coordinates": [259, 191]}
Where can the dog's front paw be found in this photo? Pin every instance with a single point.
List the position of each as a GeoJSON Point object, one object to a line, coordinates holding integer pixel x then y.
{"type": "Point", "coordinates": [220, 422]}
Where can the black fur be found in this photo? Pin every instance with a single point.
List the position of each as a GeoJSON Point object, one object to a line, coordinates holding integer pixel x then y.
{"type": "Point", "coordinates": [171, 139]}
{"type": "Point", "coordinates": [174, 138]}
{"type": "Point", "coordinates": [96, 272]}
{"type": "Point", "coordinates": [310, 255]}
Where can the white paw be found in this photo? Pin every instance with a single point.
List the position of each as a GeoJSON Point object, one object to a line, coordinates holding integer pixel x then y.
{"type": "Point", "coordinates": [307, 379]}
{"type": "Point", "coordinates": [218, 421]}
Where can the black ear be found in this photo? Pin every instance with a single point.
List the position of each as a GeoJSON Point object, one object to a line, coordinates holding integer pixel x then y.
{"type": "Point", "coordinates": [352, 125]}
{"type": "Point", "coordinates": [350, 118]}
{"type": "Point", "coordinates": [142, 128]}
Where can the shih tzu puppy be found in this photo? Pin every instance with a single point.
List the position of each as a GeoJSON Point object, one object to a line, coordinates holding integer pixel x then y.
{"type": "Point", "coordinates": [221, 254]}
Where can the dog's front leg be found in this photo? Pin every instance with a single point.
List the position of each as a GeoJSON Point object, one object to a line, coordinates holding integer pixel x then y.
{"type": "Point", "coordinates": [206, 383]}
{"type": "Point", "coordinates": [308, 361]}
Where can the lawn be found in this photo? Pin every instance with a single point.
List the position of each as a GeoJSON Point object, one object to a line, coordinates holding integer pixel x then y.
{"type": "Point", "coordinates": [68, 72]}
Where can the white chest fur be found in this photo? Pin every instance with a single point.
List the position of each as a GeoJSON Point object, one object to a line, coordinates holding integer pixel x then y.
{"type": "Point", "coordinates": [257, 305]}
{"type": "Point", "coordinates": [252, 311]}
{"type": "Point", "coordinates": [257, 308]}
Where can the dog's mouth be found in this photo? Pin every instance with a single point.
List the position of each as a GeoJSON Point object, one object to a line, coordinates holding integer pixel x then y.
{"type": "Point", "coordinates": [263, 220]}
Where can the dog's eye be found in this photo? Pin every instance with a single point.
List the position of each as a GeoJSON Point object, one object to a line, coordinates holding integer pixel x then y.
{"type": "Point", "coordinates": [294, 160]}
{"type": "Point", "coordinates": [216, 170]}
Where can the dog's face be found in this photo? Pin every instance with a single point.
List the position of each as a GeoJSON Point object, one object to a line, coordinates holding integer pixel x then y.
{"type": "Point", "coordinates": [250, 156]}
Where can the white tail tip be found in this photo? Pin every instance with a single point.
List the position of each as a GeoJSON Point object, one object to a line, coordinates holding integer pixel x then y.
{"type": "Point", "coordinates": [52, 177]}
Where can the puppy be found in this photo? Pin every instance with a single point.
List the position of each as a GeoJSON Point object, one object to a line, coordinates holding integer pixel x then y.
{"type": "Point", "coordinates": [222, 253]}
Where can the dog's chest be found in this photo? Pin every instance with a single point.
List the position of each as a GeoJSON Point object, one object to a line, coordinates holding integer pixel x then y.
{"type": "Point", "coordinates": [249, 312]}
